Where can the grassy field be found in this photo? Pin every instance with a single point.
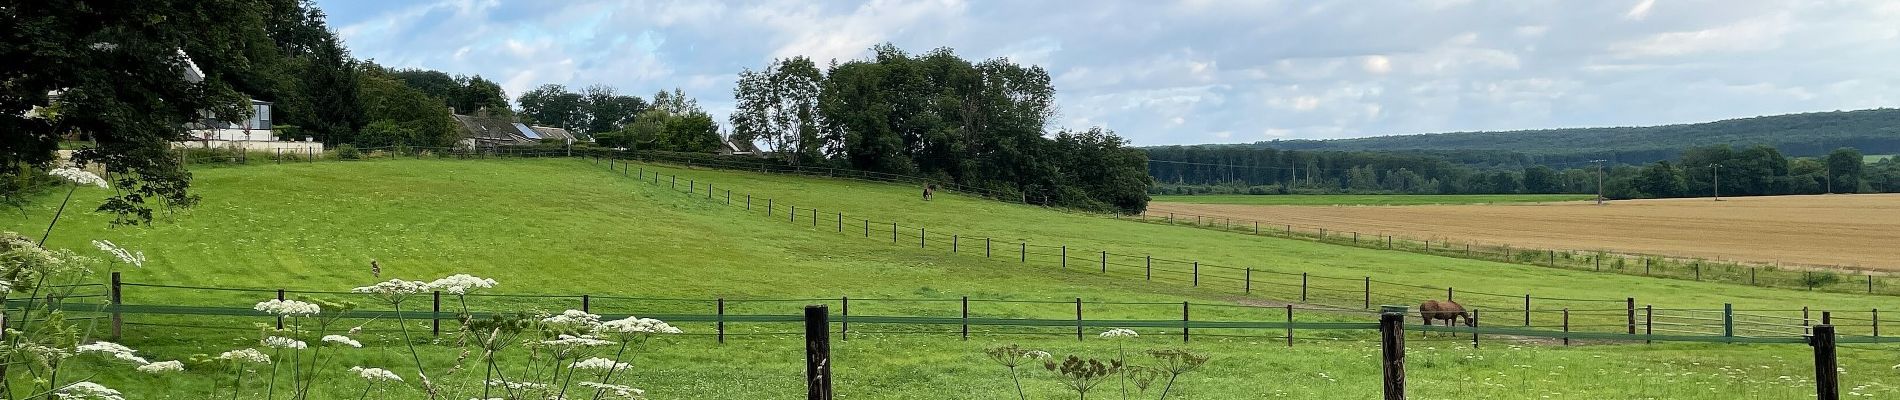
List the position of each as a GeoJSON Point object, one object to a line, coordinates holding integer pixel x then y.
{"type": "Point", "coordinates": [1874, 158]}
{"type": "Point", "coordinates": [1368, 199]}
{"type": "Point", "coordinates": [568, 227]}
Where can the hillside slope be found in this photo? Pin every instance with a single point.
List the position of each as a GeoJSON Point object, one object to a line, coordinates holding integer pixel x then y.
{"type": "Point", "coordinates": [1874, 131]}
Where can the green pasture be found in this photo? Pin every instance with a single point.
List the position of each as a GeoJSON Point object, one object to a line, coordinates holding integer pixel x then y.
{"type": "Point", "coordinates": [569, 227]}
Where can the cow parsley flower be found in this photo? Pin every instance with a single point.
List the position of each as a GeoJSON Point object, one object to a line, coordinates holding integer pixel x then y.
{"type": "Point", "coordinates": [136, 258]}
{"type": "Point", "coordinates": [245, 356]}
{"type": "Point", "coordinates": [638, 325]}
{"type": "Point", "coordinates": [574, 319]}
{"type": "Point", "coordinates": [342, 340]}
{"type": "Point", "coordinates": [288, 308]}
{"type": "Point", "coordinates": [78, 176]}
{"type": "Point", "coordinates": [1119, 333]}
{"type": "Point", "coordinates": [284, 343]}
{"type": "Point", "coordinates": [616, 391]}
{"type": "Point", "coordinates": [393, 290]}
{"type": "Point", "coordinates": [461, 284]}
{"type": "Point", "coordinates": [112, 349]}
{"type": "Point", "coordinates": [88, 391]}
{"type": "Point", "coordinates": [517, 386]}
{"type": "Point", "coordinates": [376, 374]}
{"type": "Point", "coordinates": [602, 364]}
{"type": "Point", "coordinates": [576, 341]}
{"type": "Point", "coordinates": [162, 367]}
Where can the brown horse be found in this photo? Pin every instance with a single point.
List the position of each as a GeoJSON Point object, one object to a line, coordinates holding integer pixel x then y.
{"type": "Point", "coordinates": [1448, 310]}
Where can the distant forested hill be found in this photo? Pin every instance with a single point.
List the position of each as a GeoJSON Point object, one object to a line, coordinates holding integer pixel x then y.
{"type": "Point", "coordinates": [1809, 134]}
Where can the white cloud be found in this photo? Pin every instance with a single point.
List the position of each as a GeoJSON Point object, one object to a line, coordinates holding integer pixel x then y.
{"type": "Point", "coordinates": [1747, 35]}
{"type": "Point", "coordinates": [1640, 10]}
{"type": "Point", "coordinates": [1377, 64]}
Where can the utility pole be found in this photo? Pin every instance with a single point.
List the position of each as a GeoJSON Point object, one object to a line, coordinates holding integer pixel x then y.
{"type": "Point", "coordinates": [1718, 181]}
{"type": "Point", "coordinates": [1599, 164]}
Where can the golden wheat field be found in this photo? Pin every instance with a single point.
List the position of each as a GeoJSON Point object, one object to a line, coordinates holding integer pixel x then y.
{"type": "Point", "coordinates": [1861, 230]}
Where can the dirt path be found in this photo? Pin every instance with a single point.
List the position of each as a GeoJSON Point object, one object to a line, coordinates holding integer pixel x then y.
{"type": "Point", "coordinates": [1846, 230]}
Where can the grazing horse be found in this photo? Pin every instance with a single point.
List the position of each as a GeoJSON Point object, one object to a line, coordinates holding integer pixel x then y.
{"type": "Point", "coordinates": [1448, 311]}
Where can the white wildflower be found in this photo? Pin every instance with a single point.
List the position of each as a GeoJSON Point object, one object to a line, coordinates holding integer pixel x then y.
{"type": "Point", "coordinates": [574, 319]}
{"type": "Point", "coordinates": [638, 325]}
{"type": "Point", "coordinates": [284, 343]}
{"type": "Point", "coordinates": [245, 355]}
{"type": "Point", "coordinates": [162, 367]}
{"type": "Point", "coordinates": [602, 364]}
{"type": "Point", "coordinates": [576, 341]}
{"type": "Point", "coordinates": [342, 340]}
{"type": "Point", "coordinates": [393, 290]}
{"type": "Point", "coordinates": [376, 374]}
{"type": "Point", "coordinates": [461, 284]}
{"type": "Point", "coordinates": [45, 352]}
{"type": "Point", "coordinates": [1036, 354]}
{"type": "Point", "coordinates": [88, 391]}
{"type": "Point", "coordinates": [356, 330]}
{"type": "Point", "coordinates": [517, 386]}
{"type": "Point", "coordinates": [288, 307]}
{"type": "Point", "coordinates": [112, 349]}
{"type": "Point", "coordinates": [616, 391]}
{"type": "Point", "coordinates": [1118, 333]}
{"type": "Point", "coordinates": [136, 258]}
{"type": "Point", "coordinates": [78, 176]}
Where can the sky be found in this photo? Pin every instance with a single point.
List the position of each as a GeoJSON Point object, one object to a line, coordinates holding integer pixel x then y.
{"type": "Point", "coordinates": [1208, 71]}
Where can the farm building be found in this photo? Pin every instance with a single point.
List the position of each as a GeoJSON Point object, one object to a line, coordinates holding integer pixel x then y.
{"type": "Point", "coordinates": [734, 147]}
{"type": "Point", "coordinates": [487, 130]}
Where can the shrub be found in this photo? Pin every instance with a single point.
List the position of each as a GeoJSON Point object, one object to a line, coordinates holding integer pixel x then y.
{"type": "Point", "coordinates": [347, 151]}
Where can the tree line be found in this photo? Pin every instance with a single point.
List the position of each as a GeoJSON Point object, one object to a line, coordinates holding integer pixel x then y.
{"type": "Point", "coordinates": [940, 116]}
{"type": "Point", "coordinates": [1754, 170]}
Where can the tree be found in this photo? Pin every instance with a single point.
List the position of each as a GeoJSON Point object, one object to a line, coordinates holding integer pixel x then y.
{"type": "Point", "coordinates": [1661, 179]}
{"type": "Point", "coordinates": [119, 70]}
{"type": "Point", "coordinates": [553, 105]}
{"type": "Point", "coordinates": [400, 110]}
{"type": "Point", "coordinates": [779, 106]}
{"type": "Point", "coordinates": [1844, 170]}
{"type": "Point", "coordinates": [1541, 179]}
{"type": "Point", "coordinates": [475, 93]}
{"type": "Point", "coordinates": [606, 110]}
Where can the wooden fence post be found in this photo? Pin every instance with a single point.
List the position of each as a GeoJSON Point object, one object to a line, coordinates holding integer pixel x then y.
{"type": "Point", "coordinates": [1197, 273]}
{"type": "Point", "coordinates": [1630, 304]}
{"type": "Point", "coordinates": [986, 247]}
{"type": "Point", "coordinates": [1247, 287]}
{"type": "Point", "coordinates": [1065, 256]}
{"type": "Point", "coordinates": [1368, 293]}
{"type": "Point", "coordinates": [1023, 252]}
{"type": "Point", "coordinates": [1474, 328]}
{"type": "Point", "coordinates": [953, 243]}
{"type": "Point", "coordinates": [1150, 268]}
{"type": "Point", "coordinates": [280, 318]}
{"type": "Point", "coordinates": [844, 318]}
{"type": "Point", "coordinates": [1649, 322]}
{"type": "Point", "coordinates": [817, 353]}
{"type": "Point", "coordinates": [1392, 349]}
{"type": "Point", "coordinates": [118, 300]}
{"type": "Point", "coordinates": [722, 320]}
{"type": "Point", "coordinates": [1728, 321]}
{"type": "Point", "coordinates": [1827, 375]}
{"type": "Point", "coordinates": [1448, 293]}
{"type": "Point", "coordinates": [1527, 310]}
{"type": "Point", "coordinates": [1302, 287]}
{"type": "Point", "coordinates": [1289, 325]}
{"type": "Point", "coordinates": [1078, 319]}
{"type": "Point", "coordinates": [435, 313]}
{"type": "Point", "coordinates": [966, 317]}
{"type": "Point", "coordinates": [1876, 318]}
{"type": "Point", "coordinates": [1566, 326]}
{"type": "Point", "coordinates": [1104, 261]}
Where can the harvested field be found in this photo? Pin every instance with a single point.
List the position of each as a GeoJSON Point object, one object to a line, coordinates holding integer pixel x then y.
{"type": "Point", "coordinates": [1833, 230]}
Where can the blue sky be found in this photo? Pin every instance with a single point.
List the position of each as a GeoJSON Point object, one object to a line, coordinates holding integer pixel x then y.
{"type": "Point", "coordinates": [1209, 71]}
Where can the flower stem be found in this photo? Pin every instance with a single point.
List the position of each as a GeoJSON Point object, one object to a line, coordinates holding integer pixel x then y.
{"type": "Point", "coordinates": [56, 214]}
{"type": "Point", "coordinates": [611, 369]}
{"type": "Point", "coordinates": [366, 390]}
{"type": "Point", "coordinates": [420, 374]}
{"type": "Point", "coordinates": [1164, 389]}
{"type": "Point", "coordinates": [1019, 383]}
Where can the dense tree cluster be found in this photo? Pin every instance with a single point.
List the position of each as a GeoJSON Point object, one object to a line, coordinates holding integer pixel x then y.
{"type": "Point", "coordinates": [1807, 134]}
{"type": "Point", "coordinates": [673, 123]}
{"type": "Point", "coordinates": [940, 116]}
{"type": "Point", "coordinates": [1755, 170]}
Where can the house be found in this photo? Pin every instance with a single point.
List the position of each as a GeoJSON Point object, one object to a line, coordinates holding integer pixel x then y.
{"type": "Point", "coordinates": [487, 130]}
{"type": "Point", "coordinates": [733, 147]}
{"type": "Point", "coordinates": [256, 128]}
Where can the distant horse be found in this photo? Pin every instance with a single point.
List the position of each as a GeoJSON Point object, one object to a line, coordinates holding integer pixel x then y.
{"type": "Point", "coordinates": [1448, 311]}
{"type": "Point", "coordinates": [930, 190]}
